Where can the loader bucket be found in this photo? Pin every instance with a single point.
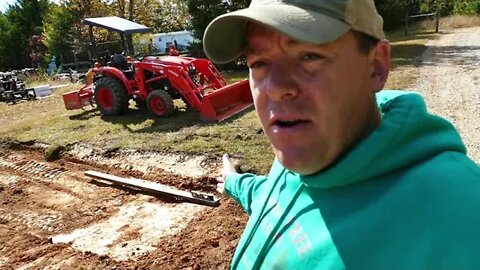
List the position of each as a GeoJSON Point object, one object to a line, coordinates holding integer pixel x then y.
{"type": "Point", "coordinates": [226, 101]}
{"type": "Point", "coordinates": [78, 99]}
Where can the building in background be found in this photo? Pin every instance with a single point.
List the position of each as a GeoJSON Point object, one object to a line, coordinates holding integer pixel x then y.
{"type": "Point", "coordinates": [181, 40]}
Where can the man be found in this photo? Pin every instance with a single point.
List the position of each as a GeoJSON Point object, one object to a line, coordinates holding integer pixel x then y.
{"type": "Point", "coordinates": [362, 179]}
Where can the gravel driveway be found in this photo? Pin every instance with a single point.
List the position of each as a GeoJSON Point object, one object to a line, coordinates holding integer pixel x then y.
{"type": "Point", "coordinates": [449, 79]}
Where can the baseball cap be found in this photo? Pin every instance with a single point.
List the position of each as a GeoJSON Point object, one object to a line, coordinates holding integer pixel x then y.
{"type": "Point", "coordinates": [312, 21]}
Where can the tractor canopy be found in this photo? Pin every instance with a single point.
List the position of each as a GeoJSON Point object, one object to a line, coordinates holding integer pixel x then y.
{"type": "Point", "coordinates": [117, 24]}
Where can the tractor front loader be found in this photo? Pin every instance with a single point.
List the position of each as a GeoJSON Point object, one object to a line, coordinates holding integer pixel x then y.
{"type": "Point", "coordinates": [156, 82]}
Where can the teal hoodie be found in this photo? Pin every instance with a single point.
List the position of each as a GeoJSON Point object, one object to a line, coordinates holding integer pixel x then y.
{"type": "Point", "coordinates": [406, 197]}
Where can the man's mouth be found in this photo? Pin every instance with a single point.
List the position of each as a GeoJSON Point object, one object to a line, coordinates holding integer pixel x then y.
{"type": "Point", "coordinates": [288, 123]}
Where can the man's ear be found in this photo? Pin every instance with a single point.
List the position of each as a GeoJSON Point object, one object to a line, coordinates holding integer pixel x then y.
{"type": "Point", "coordinates": [381, 64]}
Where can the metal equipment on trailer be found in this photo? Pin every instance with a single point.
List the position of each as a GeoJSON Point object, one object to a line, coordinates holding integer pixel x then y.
{"type": "Point", "coordinates": [157, 81]}
{"type": "Point", "coordinates": [12, 89]}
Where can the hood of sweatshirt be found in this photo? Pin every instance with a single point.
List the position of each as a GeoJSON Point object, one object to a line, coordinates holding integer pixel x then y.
{"type": "Point", "coordinates": [407, 135]}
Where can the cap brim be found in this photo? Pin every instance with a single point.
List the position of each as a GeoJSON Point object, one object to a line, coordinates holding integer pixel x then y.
{"type": "Point", "coordinates": [225, 37]}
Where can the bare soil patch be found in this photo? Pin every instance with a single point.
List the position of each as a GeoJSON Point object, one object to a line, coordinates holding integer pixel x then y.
{"type": "Point", "coordinates": [53, 217]}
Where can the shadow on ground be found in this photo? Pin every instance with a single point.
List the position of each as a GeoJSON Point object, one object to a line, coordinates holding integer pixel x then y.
{"type": "Point", "coordinates": [182, 118]}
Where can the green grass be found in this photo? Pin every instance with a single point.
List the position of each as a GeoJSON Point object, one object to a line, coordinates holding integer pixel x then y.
{"type": "Point", "coordinates": [47, 121]}
{"type": "Point", "coordinates": [235, 76]}
{"type": "Point", "coordinates": [406, 53]}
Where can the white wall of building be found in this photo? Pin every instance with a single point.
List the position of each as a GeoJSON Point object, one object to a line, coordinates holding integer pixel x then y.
{"type": "Point", "coordinates": [162, 40]}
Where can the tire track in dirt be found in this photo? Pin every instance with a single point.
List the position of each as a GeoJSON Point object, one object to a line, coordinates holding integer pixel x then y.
{"type": "Point", "coordinates": [41, 202]}
{"type": "Point", "coordinates": [30, 167]}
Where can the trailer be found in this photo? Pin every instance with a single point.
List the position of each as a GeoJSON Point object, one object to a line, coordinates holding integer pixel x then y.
{"type": "Point", "coordinates": [181, 40]}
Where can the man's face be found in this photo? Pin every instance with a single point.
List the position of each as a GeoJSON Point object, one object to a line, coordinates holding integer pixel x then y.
{"type": "Point", "coordinates": [313, 101]}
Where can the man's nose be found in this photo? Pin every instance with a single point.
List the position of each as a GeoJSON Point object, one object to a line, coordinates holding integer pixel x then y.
{"type": "Point", "coordinates": [280, 83]}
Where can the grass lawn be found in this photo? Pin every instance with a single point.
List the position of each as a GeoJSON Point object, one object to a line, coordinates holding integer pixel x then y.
{"type": "Point", "coordinates": [47, 121]}
{"type": "Point", "coordinates": [406, 52]}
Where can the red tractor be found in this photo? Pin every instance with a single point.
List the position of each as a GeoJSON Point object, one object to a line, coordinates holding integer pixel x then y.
{"type": "Point", "coordinates": [157, 81]}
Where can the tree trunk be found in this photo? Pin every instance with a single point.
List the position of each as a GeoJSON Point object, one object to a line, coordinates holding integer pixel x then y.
{"type": "Point", "coordinates": [131, 5]}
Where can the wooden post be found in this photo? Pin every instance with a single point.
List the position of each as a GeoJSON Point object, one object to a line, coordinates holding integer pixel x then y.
{"type": "Point", "coordinates": [92, 42]}
{"type": "Point", "coordinates": [75, 59]}
{"type": "Point", "coordinates": [131, 9]}
{"type": "Point", "coordinates": [437, 23]}
{"type": "Point", "coordinates": [406, 25]}
{"type": "Point", "coordinates": [124, 43]}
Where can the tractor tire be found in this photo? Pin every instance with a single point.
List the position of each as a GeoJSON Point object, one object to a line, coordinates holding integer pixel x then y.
{"type": "Point", "coordinates": [111, 96]}
{"type": "Point", "coordinates": [160, 103]}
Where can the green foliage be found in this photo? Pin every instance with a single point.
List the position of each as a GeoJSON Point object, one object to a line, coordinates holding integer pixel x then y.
{"type": "Point", "coordinates": [59, 29]}
{"type": "Point", "coordinates": [204, 11]}
{"type": "Point", "coordinates": [19, 23]}
{"type": "Point", "coordinates": [89, 8]}
{"type": "Point", "coordinates": [394, 12]}
{"type": "Point", "coordinates": [172, 15]}
{"type": "Point", "coordinates": [445, 7]}
{"type": "Point", "coordinates": [467, 7]}
{"type": "Point", "coordinates": [5, 37]}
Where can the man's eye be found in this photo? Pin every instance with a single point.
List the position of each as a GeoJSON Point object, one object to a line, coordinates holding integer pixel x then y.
{"type": "Point", "coordinates": [257, 64]}
{"type": "Point", "coordinates": [311, 57]}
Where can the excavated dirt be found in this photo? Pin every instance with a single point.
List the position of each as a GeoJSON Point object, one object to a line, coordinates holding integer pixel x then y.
{"type": "Point", "coordinates": [54, 217]}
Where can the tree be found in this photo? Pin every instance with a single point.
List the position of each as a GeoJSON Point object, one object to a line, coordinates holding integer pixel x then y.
{"type": "Point", "coordinates": [238, 4]}
{"type": "Point", "coordinates": [5, 37]}
{"type": "Point", "coordinates": [61, 38]}
{"type": "Point", "coordinates": [145, 12]}
{"type": "Point", "coordinates": [37, 49]}
{"type": "Point", "coordinates": [172, 15]}
{"type": "Point", "coordinates": [89, 8]}
{"type": "Point", "coordinates": [466, 7]}
{"type": "Point", "coordinates": [24, 20]}
{"type": "Point", "coordinates": [204, 11]}
{"type": "Point", "coordinates": [140, 11]}
{"type": "Point", "coordinates": [445, 7]}
{"type": "Point", "coordinates": [65, 34]}
{"type": "Point", "coordinates": [395, 11]}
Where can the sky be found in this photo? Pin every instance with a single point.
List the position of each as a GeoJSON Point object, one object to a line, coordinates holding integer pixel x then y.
{"type": "Point", "coordinates": [5, 3]}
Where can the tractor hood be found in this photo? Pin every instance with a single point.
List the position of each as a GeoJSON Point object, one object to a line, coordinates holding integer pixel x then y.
{"type": "Point", "coordinates": [171, 60]}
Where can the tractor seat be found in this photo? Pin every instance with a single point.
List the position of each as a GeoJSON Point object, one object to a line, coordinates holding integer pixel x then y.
{"type": "Point", "coordinates": [119, 61]}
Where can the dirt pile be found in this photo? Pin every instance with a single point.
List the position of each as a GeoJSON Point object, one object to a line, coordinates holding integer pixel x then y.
{"type": "Point", "coordinates": [51, 215]}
